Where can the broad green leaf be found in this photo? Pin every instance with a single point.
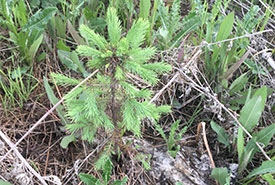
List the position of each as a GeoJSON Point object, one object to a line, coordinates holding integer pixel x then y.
{"type": "Point", "coordinates": [246, 95]}
{"type": "Point", "coordinates": [65, 58]}
{"type": "Point", "coordinates": [208, 39]}
{"type": "Point", "coordinates": [49, 3]}
{"type": "Point", "coordinates": [35, 34]}
{"type": "Point", "coordinates": [19, 72]}
{"type": "Point", "coordinates": [226, 27]}
{"type": "Point", "coordinates": [238, 84]}
{"type": "Point", "coordinates": [53, 99]}
{"type": "Point", "coordinates": [163, 13]}
{"type": "Point", "coordinates": [76, 61]}
{"type": "Point", "coordinates": [256, 69]}
{"type": "Point", "coordinates": [164, 33]}
{"type": "Point", "coordinates": [266, 167]}
{"type": "Point", "coordinates": [60, 27]}
{"type": "Point", "coordinates": [88, 179]}
{"type": "Point", "coordinates": [252, 110]}
{"type": "Point", "coordinates": [98, 24]}
{"type": "Point", "coordinates": [251, 113]}
{"type": "Point", "coordinates": [245, 159]}
{"type": "Point", "coordinates": [70, 59]}
{"type": "Point", "coordinates": [264, 136]}
{"type": "Point", "coordinates": [221, 175]}
{"type": "Point", "coordinates": [152, 20]}
{"type": "Point", "coordinates": [34, 3]}
{"type": "Point", "coordinates": [62, 46]}
{"type": "Point", "coordinates": [240, 143]}
{"type": "Point", "coordinates": [222, 135]}
{"type": "Point", "coordinates": [34, 47]}
{"type": "Point", "coordinates": [21, 10]}
{"type": "Point", "coordinates": [144, 8]}
{"type": "Point", "coordinates": [39, 20]}
{"type": "Point", "coordinates": [67, 140]}
{"type": "Point", "coordinates": [269, 178]}
{"type": "Point", "coordinates": [176, 104]}
{"type": "Point", "coordinates": [4, 183]}
{"type": "Point", "coordinates": [41, 56]}
{"type": "Point", "coordinates": [113, 23]}
{"type": "Point", "coordinates": [263, 93]}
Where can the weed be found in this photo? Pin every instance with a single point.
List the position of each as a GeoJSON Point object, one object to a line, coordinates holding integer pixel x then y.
{"type": "Point", "coordinates": [105, 177]}
{"type": "Point", "coordinates": [29, 38]}
{"type": "Point", "coordinates": [15, 89]}
{"type": "Point", "coordinates": [224, 58]}
{"type": "Point", "coordinates": [249, 118]}
{"type": "Point", "coordinates": [173, 138]}
{"type": "Point", "coordinates": [221, 175]}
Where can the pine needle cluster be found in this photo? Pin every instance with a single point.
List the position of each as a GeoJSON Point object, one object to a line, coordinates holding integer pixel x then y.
{"type": "Point", "coordinates": [110, 101]}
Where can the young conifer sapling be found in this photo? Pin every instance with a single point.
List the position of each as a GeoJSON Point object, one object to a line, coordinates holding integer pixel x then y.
{"type": "Point", "coordinates": [110, 102]}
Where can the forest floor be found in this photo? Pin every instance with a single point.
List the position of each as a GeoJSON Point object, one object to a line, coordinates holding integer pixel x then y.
{"type": "Point", "coordinates": [195, 101]}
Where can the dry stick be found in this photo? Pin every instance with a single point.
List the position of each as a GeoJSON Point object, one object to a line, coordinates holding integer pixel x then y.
{"type": "Point", "coordinates": [206, 145]}
{"type": "Point", "coordinates": [202, 124]}
{"type": "Point", "coordinates": [235, 38]}
{"type": "Point", "coordinates": [200, 89]}
{"type": "Point", "coordinates": [165, 87]}
{"type": "Point", "coordinates": [22, 158]}
{"type": "Point", "coordinates": [7, 49]}
{"type": "Point", "coordinates": [44, 116]}
{"type": "Point", "coordinates": [175, 76]}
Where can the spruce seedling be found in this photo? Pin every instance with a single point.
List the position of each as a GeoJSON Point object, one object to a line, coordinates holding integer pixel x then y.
{"type": "Point", "coordinates": [110, 102]}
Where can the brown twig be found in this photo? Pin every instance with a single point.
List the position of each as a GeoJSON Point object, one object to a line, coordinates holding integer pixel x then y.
{"type": "Point", "coordinates": [202, 124]}
{"type": "Point", "coordinates": [206, 145]}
